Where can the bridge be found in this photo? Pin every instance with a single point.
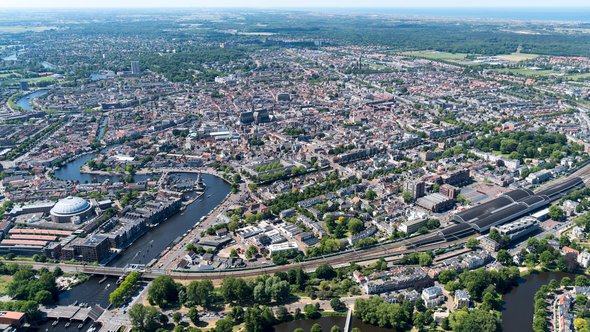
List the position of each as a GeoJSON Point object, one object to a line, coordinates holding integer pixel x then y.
{"type": "Point", "coordinates": [348, 324]}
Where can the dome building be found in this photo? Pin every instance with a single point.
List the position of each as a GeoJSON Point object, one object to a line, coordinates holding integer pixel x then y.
{"type": "Point", "coordinates": [71, 209]}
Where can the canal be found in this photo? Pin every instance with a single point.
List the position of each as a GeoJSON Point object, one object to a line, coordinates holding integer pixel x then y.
{"type": "Point", "coordinates": [151, 244]}
{"type": "Point", "coordinates": [517, 315]}
{"type": "Point", "coordinates": [25, 101]}
{"type": "Point", "coordinates": [327, 323]}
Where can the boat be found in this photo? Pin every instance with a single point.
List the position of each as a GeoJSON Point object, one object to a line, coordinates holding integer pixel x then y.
{"type": "Point", "coordinates": [108, 285]}
{"type": "Point", "coordinates": [102, 280]}
{"type": "Point", "coordinates": [202, 218]}
{"type": "Point", "coordinates": [68, 324]}
{"type": "Point", "coordinates": [55, 323]}
{"type": "Point", "coordinates": [81, 325]}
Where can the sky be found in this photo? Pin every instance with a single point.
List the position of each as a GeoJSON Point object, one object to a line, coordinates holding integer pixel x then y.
{"type": "Point", "coordinates": [289, 3]}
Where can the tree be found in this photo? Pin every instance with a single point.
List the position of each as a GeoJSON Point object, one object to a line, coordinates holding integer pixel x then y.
{"type": "Point", "coordinates": [251, 252]}
{"type": "Point", "coordinates": [370, 195]}
{"type": "Point", "coordinates": [355, 225]}
{"type": "Point", "coordinates": [566, 281]}
{"type": "Point", "coordinates": [200, 292]}
{"type": "Point", "coordinates": [474, 321]}
{"type": "Point", "coordinates": [311, 311]}
{"type": "Point", "coordinates": [555, 212]}
{"type": "Point", "coordinates": [316, 328]}
{"type": "Point", "coordinates": [176, 317]}
{"type": "Point", "coordinates": [325, 272]}
{"type": "Point", "coordinates": [446, 276]}
{"type": "Point", "coordinates": [472, 243]}
{"type": "Point", "coordinates": [504, 257]}
{"type": "Point", "coordinates": [44, 297]}
{"type": "Point", "coordinates": [335, 328]}
{"type": "Point", "coordinates": [424, 259]}
{"type": "Point", "coordinates": [582, 281]}
{"type": "Point", "coordinates": [407, 196]}
{"type": "Point", "coordinates": [144, 318]}
{"type": "Point", "coordinates": [580, 323]}
{"type": "Point", "coordinates": [337, 304]}
{"type": "Point", "coordinates": [163, 291]}
{"type": "Point", "coordinates": [193, 315]}
{"type": "Point", "coordinates": [235, 290]}
{"type": "Point", "coordinates": [283, 314]}
{"type": "Point", "coordinates": [224, 325]}
{"type": "Point", "coordinates": [233, 253]}
{"type": "Point", "coordinates": [236, 314]}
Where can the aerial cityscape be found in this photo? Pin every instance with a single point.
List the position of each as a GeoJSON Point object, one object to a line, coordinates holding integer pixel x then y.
{"type": "Point", "coordinates": [336, 167]}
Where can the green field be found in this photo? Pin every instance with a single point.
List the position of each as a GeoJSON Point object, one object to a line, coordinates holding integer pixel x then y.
{"type": "Point", "coordinates": [459, 58]}
{"type": "Point", "coordinates": [517, 57]}
{"type": "Point", "coordinates": [541, 73]}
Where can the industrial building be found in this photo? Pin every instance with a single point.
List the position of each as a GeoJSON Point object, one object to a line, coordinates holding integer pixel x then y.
{"type": "Point", "coordinates": [505, 208]}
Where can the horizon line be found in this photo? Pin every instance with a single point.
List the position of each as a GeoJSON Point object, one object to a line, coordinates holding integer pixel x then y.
{"type": "Point", "coordinates": [536, 7]}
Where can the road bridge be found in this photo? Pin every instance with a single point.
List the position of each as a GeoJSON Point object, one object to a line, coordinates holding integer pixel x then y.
{"type": "Point", "coordinates": [348, 324]}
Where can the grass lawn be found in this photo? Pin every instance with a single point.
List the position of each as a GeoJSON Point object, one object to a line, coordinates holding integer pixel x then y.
{"type": "Point", "coordinates": [516, 57]}
{"type": "Point", "coordinates": [541, 73]}
{"type": "Point", "coordinates": [436, 55]}
{"type": "Point", "coordinates": [4, 281]}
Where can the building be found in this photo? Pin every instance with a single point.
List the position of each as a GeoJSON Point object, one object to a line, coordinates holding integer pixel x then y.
{"type": "Point", "coordinates": [488, 244]}
{"type": "Point", "coordinates": [71, 209]}
{"type": "Point", "coordinates": [12, 318]}
{"type": "Point", "coordinates": [415, 188]}
{"type": "Point", "coordinates": [433, 296]}
{"type": "Point", "coordinates": [462, 299]}
{"type": "Point", "coordinates": [135, 70]}
{"type": "Point", "coordinates": [283, 96]}
{"type": "Point", "coordinates": [411, 226]}
{"type": "Point", "coordinates": [94, 248]}
{"type": "Point", "coordinates": [518, 228]}
{"type": "Point", "coordinates": [362, 235]}
{"type": "Point", "coordinates": [584, 259]}
{"type": "Point", "coordinates": [436, 202]}
{"type": "Point", "coordinates": [538, 177]}
{"type": "Point", "coordinates": [457, 177]}
{"type": "Point", "coordinates": [449, 191]}
{"type": "Point", "coordinates": [398, 279]}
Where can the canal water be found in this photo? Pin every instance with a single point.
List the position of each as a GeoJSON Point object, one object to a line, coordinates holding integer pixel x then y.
{"type": "Point", "coordinates": [517, 315]}
{"type": "Point", "coordinates": [25, 101]}
{"type": "Point", "coordinates": [102, 128]}
{"type": "Point", "coordinates": [147, 247]}
{"type": "Point", "coordinates": [153, 243]}
{"type": "Point", "coordinates": [327, 323]}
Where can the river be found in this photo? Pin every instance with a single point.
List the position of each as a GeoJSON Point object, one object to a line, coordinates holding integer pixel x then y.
{"type": "Point", "coordinates": [517, 315]}
{"type": "Point", "coordinates": [25, 101]}
{"type": "Point", "coordinates": [327, 323]}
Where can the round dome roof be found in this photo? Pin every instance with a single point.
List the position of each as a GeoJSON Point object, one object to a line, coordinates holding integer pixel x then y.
{"type": "Point", "coordinates": [70, 206]}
